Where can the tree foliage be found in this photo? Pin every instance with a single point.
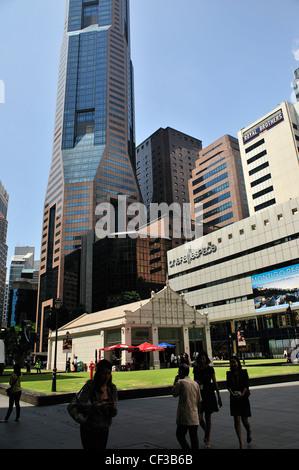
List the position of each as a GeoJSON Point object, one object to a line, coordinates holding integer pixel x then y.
{"type": "Point", "coordinates": [19, 341]}
{"type": "Point", "coordinates": [127, 297]}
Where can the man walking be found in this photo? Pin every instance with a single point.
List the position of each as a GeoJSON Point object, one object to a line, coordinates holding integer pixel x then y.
{"type": "Point", "coordinates": [188, 409]}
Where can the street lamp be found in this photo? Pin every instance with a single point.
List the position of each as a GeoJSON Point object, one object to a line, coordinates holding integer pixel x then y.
{"type": "Point", "coordinates": [57, 306]}
{"type": "Point", "coordinates": [67, 337]}
{"type": "Point", "coordinates": [194, 342]}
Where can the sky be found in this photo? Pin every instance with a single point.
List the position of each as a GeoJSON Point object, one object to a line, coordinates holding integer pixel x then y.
{"type": "Point", "coordinates": [204, 68]}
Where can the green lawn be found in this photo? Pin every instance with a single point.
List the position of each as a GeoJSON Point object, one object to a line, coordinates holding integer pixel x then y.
{"type": "Point", "coordinates": [137, 379]}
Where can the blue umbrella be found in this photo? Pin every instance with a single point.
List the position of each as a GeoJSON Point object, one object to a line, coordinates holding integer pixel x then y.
{"type": "Point", "coordinates": [166, 345]}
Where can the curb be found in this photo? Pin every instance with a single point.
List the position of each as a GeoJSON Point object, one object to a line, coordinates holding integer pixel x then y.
{"type": "Point", "coordinates": [43, 399]}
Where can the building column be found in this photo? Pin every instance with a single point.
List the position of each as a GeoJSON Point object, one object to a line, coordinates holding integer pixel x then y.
{"type": "Point", "coordinates": [155, 337]}
{"type": "Point", "coordinates": [50, 352]}
{"type": "Point", "coordinates": [126, 338]}
{"type": "Point", "coordinates": [186, 339]}
{"type": "Point", "coordinates": [234, 342]}
{"type": "Point", "coordinates": [101, 344]}
{"type": "Point", "coordinates": [208, 342]}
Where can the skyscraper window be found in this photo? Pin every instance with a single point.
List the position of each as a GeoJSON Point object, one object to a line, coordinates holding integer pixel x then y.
{"type": "Point", "coordinates": [90, 14]}
{"type": "Point", "coordinates": [84, 124]}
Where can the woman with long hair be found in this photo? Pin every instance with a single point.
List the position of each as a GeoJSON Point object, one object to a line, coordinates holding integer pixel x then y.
{"type": "Point", "coordinates": [238, 387]}
{"type": "Point", "coordinates": [97, 399]}
{"type": "Point", "coordinates": [15, 393]}
{"type": "Point", "coordinates": [204, 375]}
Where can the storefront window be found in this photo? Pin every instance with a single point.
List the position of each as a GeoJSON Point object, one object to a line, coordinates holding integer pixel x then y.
{"type": "Point", "coordinates": [140, 335]}
{"type": "Point", "coordinates": [195, 334]}
{"type": "Point", "coordinates": [113, 337]}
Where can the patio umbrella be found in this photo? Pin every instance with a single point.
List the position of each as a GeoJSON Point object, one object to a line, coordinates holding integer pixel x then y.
{"type": "Point", "coordinates": [124, 347]}
{"type": "Point", "coordinates": [147, 347]}
{"type": "Point", "coordinates": [166, 345]}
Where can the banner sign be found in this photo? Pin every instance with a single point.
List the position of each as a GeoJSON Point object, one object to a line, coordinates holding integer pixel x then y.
{"type": "Point", "coordinates": [254, 132]}
{"type": "Point", "coordinates": [67, 345]}
{"type": "Point", "coordinates": [277, 288]}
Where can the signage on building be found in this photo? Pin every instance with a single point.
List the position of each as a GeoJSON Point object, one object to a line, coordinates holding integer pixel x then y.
{"type": "Point", "coordinates": [276, 289]}
{"type": "Point", "coordinates": [271, 121]}
{"type": "Point", "coordinates": [192, 256]}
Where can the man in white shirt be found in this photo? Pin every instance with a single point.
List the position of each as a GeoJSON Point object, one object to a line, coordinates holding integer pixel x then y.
{"type": "Point", "coordinates": [188, 409]}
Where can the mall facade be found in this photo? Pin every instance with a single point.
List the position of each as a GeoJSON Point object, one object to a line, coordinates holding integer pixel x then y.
{"type": "Point", "coordinates": [245, 276]}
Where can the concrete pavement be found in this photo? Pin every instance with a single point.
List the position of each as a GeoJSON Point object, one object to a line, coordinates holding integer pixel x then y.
{"type": "Point", "coordinates": [149, 424]}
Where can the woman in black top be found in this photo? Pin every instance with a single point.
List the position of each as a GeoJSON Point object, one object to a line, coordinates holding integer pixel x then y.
{"type": "Point", "coordinates": [97, 399]}
{"type": "Point", "coordinates": [238, 387]}
{"type": "Point", "coordinates": [204, 375]}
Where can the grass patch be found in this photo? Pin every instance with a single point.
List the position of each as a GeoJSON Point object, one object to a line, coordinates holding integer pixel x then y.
{"type": "Point", "coordinates": [72, 382]}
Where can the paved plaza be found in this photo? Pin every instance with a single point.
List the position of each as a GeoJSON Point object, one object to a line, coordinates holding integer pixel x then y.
{"type": "Point", "coordinates": [149, 423]}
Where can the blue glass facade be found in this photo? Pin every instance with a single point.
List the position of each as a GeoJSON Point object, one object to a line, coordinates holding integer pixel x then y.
{"type": "Point", "coordinates": [86, 108]}
{"type": "Point", "coordinates": [85, 101]}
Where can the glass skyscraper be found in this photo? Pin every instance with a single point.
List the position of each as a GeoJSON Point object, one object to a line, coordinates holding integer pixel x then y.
{"type": "Point", "coordinates": [93, 156]}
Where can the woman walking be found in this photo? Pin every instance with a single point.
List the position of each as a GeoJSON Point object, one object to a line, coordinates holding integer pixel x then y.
{"type": "Point", "coordinates": [97, 399]}
{"type": "Point", "coordinates": [238, 387]}
{"type": "Point", "coordinates": [15, 393]}
{"type": "Point", "coordinates": [204, 375]}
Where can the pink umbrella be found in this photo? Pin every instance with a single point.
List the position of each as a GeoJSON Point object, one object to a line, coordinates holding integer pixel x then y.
{"type": "Point", "coordinates": [122, 346]}
{"type": "Point", "coordinates": [147, 347]}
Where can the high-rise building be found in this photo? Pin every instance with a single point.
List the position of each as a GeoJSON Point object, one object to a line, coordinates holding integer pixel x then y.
{"type": "Point", "coordinates": [4, 198]}
{"type": "Point", "coordinates": [164, 164]}
{"type": "Point", "coordinates": [93, 157]}
{"type": "Point", "coordinates": [5, 307]}
{"type": "Point", "coordinates": [296, 83]}
{"type": "Point", "coordinates": [23, 258]}
{"type": "Point", "coordinates": [22, 286]}
{"type": "Point", "coordinates": [217, 189]}
{"type": "Point", "coordinates": [101, 270]}
{"type": "Point", "coordinates": [23, 296]}
{"type": "Point", "coordinates": [270, 153]}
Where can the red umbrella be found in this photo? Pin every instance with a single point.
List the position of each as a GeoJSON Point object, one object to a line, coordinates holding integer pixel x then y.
{"type": "Point", "coordinates": [124, 347]}
{"type": "Point", "coordinates": [145, 347]}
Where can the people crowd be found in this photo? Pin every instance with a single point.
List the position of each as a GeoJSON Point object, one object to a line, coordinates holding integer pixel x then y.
{"type": "Point", "coordinates": [202, 394]}
{"type": "Point", "coordinates": [96, 403]}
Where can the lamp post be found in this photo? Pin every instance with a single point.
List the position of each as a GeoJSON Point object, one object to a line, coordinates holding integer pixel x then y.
{"type": "Point", "coordinates": [57, 305]}
{"type": "Point", "coordinates": [229, 346]}
{"type": "Point", "coordinates": [67, 337]}
{"type": "Point", "coordinates": [194, 342]}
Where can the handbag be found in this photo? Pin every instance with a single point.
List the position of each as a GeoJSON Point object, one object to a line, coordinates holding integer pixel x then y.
{"type": "Point", "coordinates": [8, 390]}
{"type": "Point", "coordinates": [74, 412]}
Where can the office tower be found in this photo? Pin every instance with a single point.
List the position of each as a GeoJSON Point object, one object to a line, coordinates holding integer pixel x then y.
{"type": "Point", "coordinates": [101, 270]}
{"type": "Point", "coordinates": [93, 148]}
{"type": "Point", "coordinates": [217, 190]}
{"type": "Point", "coordinates": [22, 285]}
{"type": "Point", "coordinates": [270, 152]}
{"type": "Point", "coordinates": [296, 83]}
{"type": "Point", "coordinates": [23, 292]}
{"type": "Point", "coordinates": [4, 198]}
{"type": "Point", "coordinates": [5, 307]}
{"type": "Point", "coordinates": [22, 259]}
{"type": "Point", "coordinates": [164, 163]}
